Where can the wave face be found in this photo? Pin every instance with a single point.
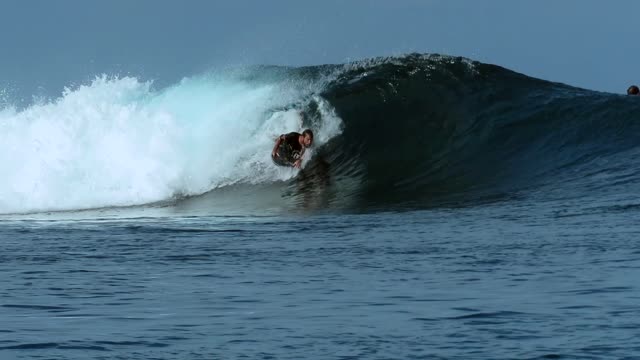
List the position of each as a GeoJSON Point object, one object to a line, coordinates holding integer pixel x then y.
{"type": "Point", "coordinates": [426, 129]}
{"type": "Point", "coordinates": [417, 130]}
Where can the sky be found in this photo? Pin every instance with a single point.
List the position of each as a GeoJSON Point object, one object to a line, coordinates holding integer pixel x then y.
{"type": "Point", "coordinates": [46, 45]}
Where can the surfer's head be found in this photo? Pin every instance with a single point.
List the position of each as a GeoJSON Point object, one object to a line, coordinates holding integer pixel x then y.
{"type": "Point", "coordinates": [633, 90]}
{"type": "Point", "coordinates": [307, 138]}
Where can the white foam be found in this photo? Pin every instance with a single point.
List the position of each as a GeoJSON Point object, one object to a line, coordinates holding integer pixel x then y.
{"type": "Point", "coordinates": [117, 142]}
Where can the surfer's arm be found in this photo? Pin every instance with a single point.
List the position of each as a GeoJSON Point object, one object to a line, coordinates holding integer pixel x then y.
{"type": "Point", "coordinates": [274, 152]}
{"type": "Point", "coordinates": [298, 162]}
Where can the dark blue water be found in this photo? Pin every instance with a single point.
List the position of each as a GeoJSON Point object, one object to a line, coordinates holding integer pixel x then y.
{"type": "Point", "coordinates": [523, 279]}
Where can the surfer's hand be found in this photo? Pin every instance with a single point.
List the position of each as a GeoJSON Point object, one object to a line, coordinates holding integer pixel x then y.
{"type": "Point", "coordinates": [297, 164]}
{"type": "Point", "coordinates": [274, 154]}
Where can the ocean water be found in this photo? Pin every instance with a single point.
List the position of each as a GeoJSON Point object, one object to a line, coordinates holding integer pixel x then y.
{"type": "Point", "coordinates": [449, 210]}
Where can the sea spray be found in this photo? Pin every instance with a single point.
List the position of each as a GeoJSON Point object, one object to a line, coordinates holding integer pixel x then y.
{"type": "Point", "coordinates": [120, 142]}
